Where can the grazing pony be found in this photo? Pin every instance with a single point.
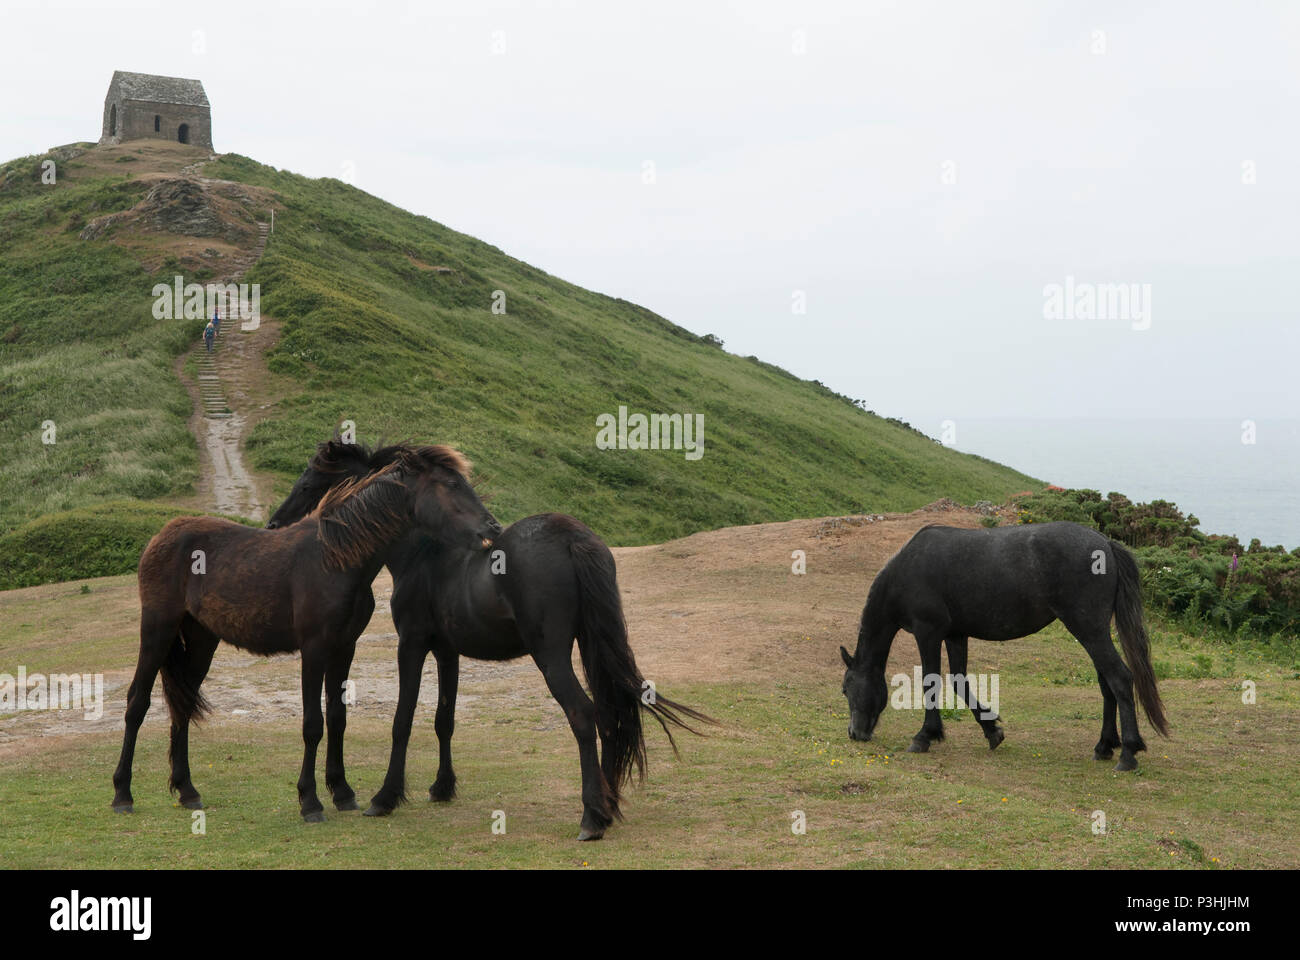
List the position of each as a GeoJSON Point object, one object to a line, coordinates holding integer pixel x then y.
{"type": "Point", "coordinates": [949, 583]}
{"type": "Point", "coordinates": [304, 587]}
{"type": "Point", "coordinates": [547, 580]}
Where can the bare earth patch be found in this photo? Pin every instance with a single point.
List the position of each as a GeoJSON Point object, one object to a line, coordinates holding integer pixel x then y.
{"type": "Point", "coordinates": [680, 600]}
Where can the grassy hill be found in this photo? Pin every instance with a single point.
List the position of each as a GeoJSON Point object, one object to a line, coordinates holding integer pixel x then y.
{"type": "Point", "coordinates": [387, 321]}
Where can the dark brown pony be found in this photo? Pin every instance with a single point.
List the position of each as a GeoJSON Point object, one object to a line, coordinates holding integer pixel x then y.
{"type": "Point", "coordinates": [546, 581]}
{"type": "Point", "coordinates": [305, 587]}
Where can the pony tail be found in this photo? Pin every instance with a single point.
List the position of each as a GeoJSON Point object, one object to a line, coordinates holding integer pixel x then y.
{"type": "Point", "coordinates": [616, 683]}
{"type": "Point", "coordinates": [1133, 637]}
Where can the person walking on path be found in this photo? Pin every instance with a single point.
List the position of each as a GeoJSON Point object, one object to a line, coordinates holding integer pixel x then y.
{"type": "Point", "coordinates": [208, 333]}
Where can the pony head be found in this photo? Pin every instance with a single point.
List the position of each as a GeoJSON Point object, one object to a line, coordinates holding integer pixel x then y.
{"type": "Point", "coordinates": [867, 694]}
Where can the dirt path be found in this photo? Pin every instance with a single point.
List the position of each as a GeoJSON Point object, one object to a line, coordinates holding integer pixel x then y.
{"type": "Point", "coordinates": [221, 422]}
{"type": "Point", "coordinates": [233, 490]}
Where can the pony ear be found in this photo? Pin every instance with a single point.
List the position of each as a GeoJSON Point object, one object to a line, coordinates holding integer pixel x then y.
{"type": "Point", "coordinates": [848, 659]}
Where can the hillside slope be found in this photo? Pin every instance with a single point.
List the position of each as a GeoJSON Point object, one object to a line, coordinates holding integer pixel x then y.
{"type": "Point", "coordinates": [387, 320]}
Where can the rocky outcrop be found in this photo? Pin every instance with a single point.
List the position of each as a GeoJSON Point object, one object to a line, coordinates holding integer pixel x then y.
{"type": "Point", "coordinates": [188, 208]}
{"type": "Point", "coordinates": [181, 206]}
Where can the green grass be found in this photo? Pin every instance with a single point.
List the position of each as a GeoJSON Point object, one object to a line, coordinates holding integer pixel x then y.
{"type": "Point", "coordinates": [96, 541]}
{"type": "Point", "coordinates": [79, 348]}
{"type": "Point", "coordinates": [1218, 794]}
{"type": "Point", "coordinates": [1203, 802]}
{"type": "Point", "coordinates": [402, 350]}
{"type": "Point", "coordinates": [371, 335]}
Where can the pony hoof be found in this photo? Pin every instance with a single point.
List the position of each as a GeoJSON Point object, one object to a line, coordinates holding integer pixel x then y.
{"type": "Point", "coordinates": [997, 738]}
{"type": "Point", "coordinates": [375, 810]}
{"type": "Point", "coordinates": [316, 816]}
{"type": "Point", "coordinates": [1126, 764]}
{"type": "Point", "coordinates": [124, 808]}
{"type": "Point", "coordinates": [588, 834]}
{"type": "Point", "coordinates": [919, 746]}
{"type": "Point", "coordinates": [349, 804]}
{"type": "Point", "coordinates": [195, 804]}
{"type": "Point", "coordinates": [1102, 754]}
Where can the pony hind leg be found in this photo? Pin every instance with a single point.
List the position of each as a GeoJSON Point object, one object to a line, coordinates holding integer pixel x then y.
{"type": "Point", "coordinates": [554, 659]}
{"type": "Point", "coordinates": [157, 634]}
{"type": "Point", "coordinates": [1105, 748]}
{"type": "Point", "coordinates": [1113, 674]}
{"type": "Point", "coordinates": [183, 672]}
{"type": "Point", "coordinates": [966, 689]}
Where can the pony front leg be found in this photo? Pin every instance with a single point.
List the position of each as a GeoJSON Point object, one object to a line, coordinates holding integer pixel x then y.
{"type": "Point", "coordinates": [444, 722]}
{"type": "Point", "coordinates": [965, 688]}
{"type": "Point", "coordinates": [313, 727]}
{"type": "Point", "coordinates": [336, 720]}
{"type": "Point", "coordinates": [410, 664]}
{"type": "Point", "coordinates": [932, 684]}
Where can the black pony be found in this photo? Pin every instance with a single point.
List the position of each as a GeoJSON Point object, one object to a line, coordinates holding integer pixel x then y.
{"type": "Point", "coordinates": [546, 580]}
{"type": "Point", "coordinates": [305, 587]}
{"type": "Point", "coordinates": [949, 583]}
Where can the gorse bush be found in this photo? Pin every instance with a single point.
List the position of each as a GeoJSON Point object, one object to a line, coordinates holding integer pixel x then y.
{"type": "Point", "coordinates": [1187, 573]}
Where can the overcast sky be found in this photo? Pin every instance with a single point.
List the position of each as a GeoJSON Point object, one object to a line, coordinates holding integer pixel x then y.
{"type": "Point", "coordinates": [920, 172]}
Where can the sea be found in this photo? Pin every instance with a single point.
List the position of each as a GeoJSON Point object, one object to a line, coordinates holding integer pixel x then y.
{"type": "Point", "coordinates": [1237, 477]}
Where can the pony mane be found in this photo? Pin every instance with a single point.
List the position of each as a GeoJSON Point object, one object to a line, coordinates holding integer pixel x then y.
{"type": "Point", "coordinates": [422, 458]}
{"type": "Point", "coordinates": [440, 455]}
{"type": "Point", "coordinates": [359, 517]}
{"type": "Point", "coordinates": [329, 459]}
